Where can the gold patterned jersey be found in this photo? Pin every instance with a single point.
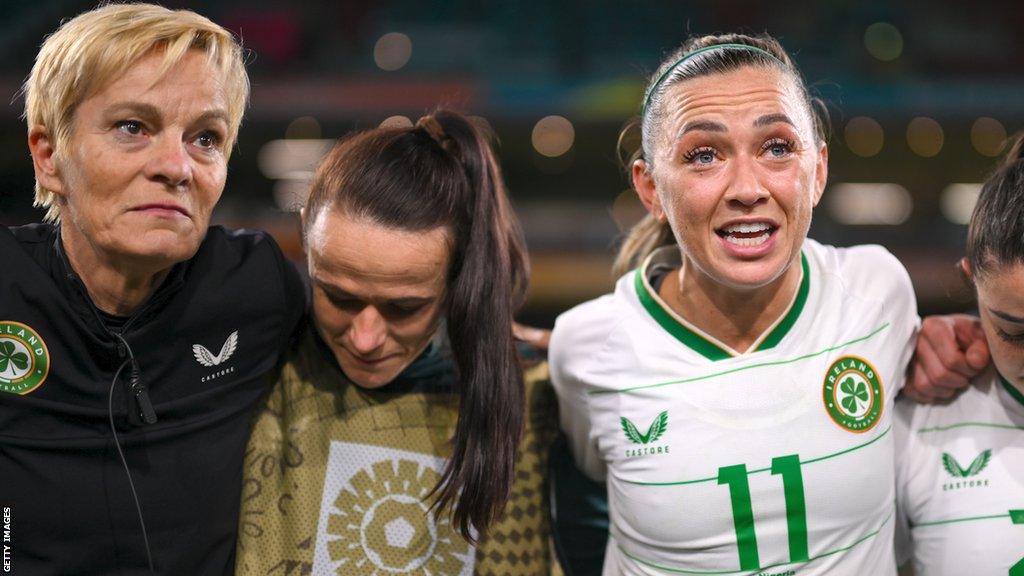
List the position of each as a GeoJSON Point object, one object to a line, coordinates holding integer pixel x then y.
{"type": "Point", "coordinates": [337, 477]}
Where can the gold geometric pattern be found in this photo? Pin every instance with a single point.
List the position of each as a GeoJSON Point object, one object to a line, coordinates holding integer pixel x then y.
{"type": "Point", "coordinates": [377, 524]}
{"type": "Point", "coordinates": [517, 544]}
{"type": "Point", "coordinates": [383, 526]}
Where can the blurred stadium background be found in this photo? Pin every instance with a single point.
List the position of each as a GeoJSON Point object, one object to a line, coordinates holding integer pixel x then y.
{"type": "Point", "coordinates": [922, 100]}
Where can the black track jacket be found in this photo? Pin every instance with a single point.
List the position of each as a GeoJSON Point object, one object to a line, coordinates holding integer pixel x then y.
{"type": "Point", "coordinates": [206, 344]}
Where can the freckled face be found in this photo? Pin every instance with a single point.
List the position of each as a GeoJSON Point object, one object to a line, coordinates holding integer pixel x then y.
{"type": "Point", "coordinates": [378, 292]}
{"type": "Point", "coordinates": [145, 163]}
{"type": "Point", "coordinates": [737, 173]}
{"type": "Point", "coordinates": [1001, 306]}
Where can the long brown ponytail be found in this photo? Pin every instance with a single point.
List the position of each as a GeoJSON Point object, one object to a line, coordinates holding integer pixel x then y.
{"type": "Point", "coordinates": [442, 172]}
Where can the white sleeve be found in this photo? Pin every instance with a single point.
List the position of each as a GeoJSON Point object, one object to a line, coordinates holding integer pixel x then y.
{"type": "Point", "coordinates": [904, 312]}
{"type": "Point", "coordinates": [902, 309]}
{"type": "Point", "coordinates": [887, 282]}
{"type": "Point", "coordinates": [903, 454]}
{"type": "Point", "coordinates": [576, 336]}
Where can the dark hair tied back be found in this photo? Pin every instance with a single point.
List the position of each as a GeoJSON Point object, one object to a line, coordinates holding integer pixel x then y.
{"type": "Point", "coordinates": [443, 173]}
{"type": "Point", "coordinates": [1015, 152]}
{"type": "Point", "coordinates": [433, 128]}
{"type": "Point", "coordinates": [699, 56]}
{"type": "Point", "coordinates": [995, 236]}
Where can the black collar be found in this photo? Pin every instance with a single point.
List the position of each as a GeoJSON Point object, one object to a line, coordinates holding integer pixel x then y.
{"type": "Point", "coordinates": [74, 289]}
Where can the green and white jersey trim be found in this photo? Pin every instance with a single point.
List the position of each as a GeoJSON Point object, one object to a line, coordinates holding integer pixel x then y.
{"type": "Point", "coordinates": [1012, 391]}
{"type": "Point", "coordinates": [719, 462]}
{"type": "Point", "coordinates": [700, 341]}
{"type": "Point", "coordinates": [765, 569]}
{"type": "Point", "coordinates": [960, 482]}
{"type": "Point", "coordinates": [746, 367]}
{"type": "Point", "coordinates": [802, 461]}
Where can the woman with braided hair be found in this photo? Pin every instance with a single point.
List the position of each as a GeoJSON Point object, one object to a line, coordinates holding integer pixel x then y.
{"type": "Point", "coordinates": [389, 444]}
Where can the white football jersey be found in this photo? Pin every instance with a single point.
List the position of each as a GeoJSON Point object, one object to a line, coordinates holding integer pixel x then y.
{"type": "Point", "coordinates": [960, 482]}
{"type": "Point", "coordinates": [775, 461]}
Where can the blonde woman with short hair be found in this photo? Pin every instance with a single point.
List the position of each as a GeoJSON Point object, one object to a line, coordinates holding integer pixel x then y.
{"type": "Point", "coordinates": [135, 340]}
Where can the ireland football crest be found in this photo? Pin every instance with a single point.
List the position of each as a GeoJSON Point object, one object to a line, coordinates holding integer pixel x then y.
{"type": "Point", "coordinates": [24, 359]}
{"type": "Point", "coordinates": [852, 393]}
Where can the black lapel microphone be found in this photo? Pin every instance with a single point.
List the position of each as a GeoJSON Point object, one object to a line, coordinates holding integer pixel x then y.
{"type": "Point", "coordinates": [138, 390]}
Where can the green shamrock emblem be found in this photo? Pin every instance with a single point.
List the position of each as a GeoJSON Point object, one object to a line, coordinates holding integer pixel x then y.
{"type": "Point", "coordinates": [8, 356]}
{"type": "Point", "coordinates": [854, 392]}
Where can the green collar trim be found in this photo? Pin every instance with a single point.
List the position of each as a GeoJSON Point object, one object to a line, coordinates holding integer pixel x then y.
{"type": "Point", "coordinates": [1012, 390]}
{"type": "Point", "coordinates": [699, 343]}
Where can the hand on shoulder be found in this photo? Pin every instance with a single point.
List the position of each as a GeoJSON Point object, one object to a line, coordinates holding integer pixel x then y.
{"type": "Point", "coordinates": [536, 337]}
{"type": "Point", "coordinates": [951, 349]}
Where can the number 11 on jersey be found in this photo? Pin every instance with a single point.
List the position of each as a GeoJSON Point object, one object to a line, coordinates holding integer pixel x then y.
{"type": "Point", "coordinates": [743, 511]}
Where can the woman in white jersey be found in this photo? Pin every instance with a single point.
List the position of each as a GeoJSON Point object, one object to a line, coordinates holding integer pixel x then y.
{"type": "Point", "coordinates": [735, 392]}
{"type": "Point", "coordinates": [960, 471]}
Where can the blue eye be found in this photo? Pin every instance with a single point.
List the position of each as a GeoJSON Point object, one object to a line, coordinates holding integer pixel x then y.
{"type": "Point", "coordinates": [777, 148]}
{"type": "Point", "coordinates": [700, 156]}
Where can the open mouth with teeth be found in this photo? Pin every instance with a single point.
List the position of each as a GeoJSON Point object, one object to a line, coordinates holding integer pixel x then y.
{"type": "Point", "coordinates": [747, 234]}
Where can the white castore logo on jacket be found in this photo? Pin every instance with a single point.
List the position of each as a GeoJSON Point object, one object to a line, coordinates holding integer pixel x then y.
{"type": "Point", "coordinates": [206, 358]}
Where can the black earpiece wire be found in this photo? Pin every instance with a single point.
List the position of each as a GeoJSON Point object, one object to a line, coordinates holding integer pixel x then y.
{"type": "Point", "coordinates": [117, 444]}
{"type": "Point", "coordinates": [137, 387]}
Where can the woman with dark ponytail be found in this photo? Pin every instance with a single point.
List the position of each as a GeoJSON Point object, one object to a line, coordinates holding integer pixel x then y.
{"type": "Point", "coordinates": [390, 443]}
{"type": "Point", "coordinates": [960, 474]}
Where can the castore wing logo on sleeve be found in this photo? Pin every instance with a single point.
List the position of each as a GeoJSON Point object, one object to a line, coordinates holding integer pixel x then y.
{"type": "Point", "coordinates": [206, 358]}
{"type": "Point", "coordinates": [956, 471]}
{"type": "Point", "coordinates": [654, 433]}
{"type": "Point", "coordinates": [969, 477]}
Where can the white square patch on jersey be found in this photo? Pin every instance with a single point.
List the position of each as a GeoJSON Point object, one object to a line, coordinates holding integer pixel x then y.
{"type": "Point", "coordinates": [374, 521]}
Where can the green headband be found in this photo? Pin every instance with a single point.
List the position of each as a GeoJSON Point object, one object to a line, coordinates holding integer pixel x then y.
{"type": "Point", "coordinates": [747, 47]}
